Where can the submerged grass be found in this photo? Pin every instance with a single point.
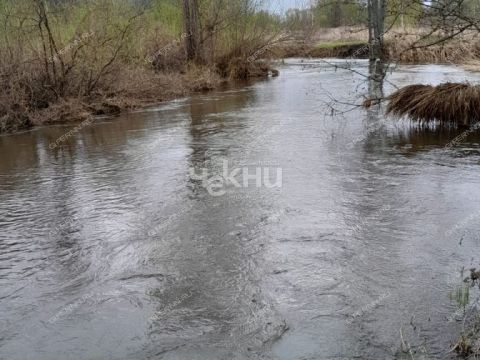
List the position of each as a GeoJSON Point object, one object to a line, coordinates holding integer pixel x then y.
{"type": "Point", "coordinates": [449, 103]}
{"type": "Point", "coordinates": [468, 343]}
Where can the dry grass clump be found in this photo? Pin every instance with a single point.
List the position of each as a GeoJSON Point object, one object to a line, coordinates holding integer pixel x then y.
{"type": "Point", "coordinates": [241, 68]}
{"type": "Point", "coordinates": [472, 65]}
{"type": "Point", "coordinates": [169, 58]}
{"type": "Point", "coordinates": [464, 347]}
{"type": "Point", "coordinates": [14, 121]}
{"type": "Point", "coordinates": [289, 49]}
{"type": "Point", "coordinates": [357, 50]}
{"type": "Point", "coordinates": [420, 45]}
{"type": "Point", "coordinates": [60, 111]}
{"type": "Point", "coordinates": [201, 78]}
{"type": "Point", "coordinates": [342, 33]}
{"type": "Point", "coordinates": [453, 52]}
{"type": "Point", "coordinates": [449, 103]}
{"type": "Point", "coordinates": [137, 86]}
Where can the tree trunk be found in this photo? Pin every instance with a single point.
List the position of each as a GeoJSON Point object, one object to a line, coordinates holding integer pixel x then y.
{"type": "Point", "coordinates": [193, 41]}
{"type": "Point", "coordinates": [370, 30]}
{"type": "Point", "coordinates": [336, 14]}
{"type": "Point", "coordinates": [376, 28]}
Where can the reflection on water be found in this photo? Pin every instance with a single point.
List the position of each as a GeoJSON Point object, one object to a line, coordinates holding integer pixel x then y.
{"type": "Point", "coordinates": [109, 248]}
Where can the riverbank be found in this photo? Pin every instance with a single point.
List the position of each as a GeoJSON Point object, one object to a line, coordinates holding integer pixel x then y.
{"type": "Point", "coordinates": [337, 49]}
{"type": "Point", "coordinates": [131, 89]}
{"type": "Point", "coordinates": [26, 101]}
{"type": "Point", "coordinates": [140, 86]}
{"type": "Point", "coordinates": [134, 88]}
{"type": "Point", "coordinates": [406, 45]}
{"type": "Point", "coordinates": [459, 53]}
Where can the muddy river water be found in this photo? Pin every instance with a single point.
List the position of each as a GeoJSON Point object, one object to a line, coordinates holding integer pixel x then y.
{"type": "Point", "coordinates": [273, 220]}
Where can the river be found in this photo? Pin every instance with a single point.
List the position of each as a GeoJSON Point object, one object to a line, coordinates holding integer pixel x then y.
{"type": "Point", "coordinates": [272, 220]}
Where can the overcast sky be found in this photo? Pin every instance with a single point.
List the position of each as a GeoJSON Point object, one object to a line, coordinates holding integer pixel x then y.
{"type": "Point", "coordinates": [280, 6]}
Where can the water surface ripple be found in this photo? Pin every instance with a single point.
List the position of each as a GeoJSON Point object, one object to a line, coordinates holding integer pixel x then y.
{"type": "Point", "coordinates": [110, 249]}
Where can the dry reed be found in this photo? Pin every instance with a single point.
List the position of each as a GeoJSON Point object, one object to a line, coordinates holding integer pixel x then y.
{"type": "Point", "coordinates": [450, 103]}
